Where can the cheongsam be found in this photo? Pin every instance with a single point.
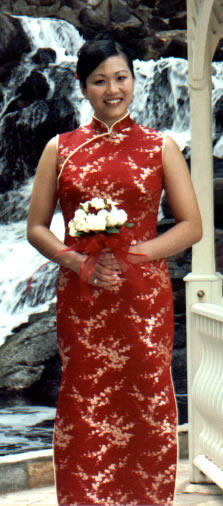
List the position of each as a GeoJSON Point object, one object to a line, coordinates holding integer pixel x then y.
{"type": "Point", "coordinates": [115, 439]}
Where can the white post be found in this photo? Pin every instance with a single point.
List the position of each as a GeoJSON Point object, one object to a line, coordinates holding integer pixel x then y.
{"type": "Point", "coordinates": [203, 284]}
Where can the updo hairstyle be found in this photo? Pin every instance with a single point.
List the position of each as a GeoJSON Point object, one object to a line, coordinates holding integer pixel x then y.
{"type": "Point", "coordinates": [93, 53]}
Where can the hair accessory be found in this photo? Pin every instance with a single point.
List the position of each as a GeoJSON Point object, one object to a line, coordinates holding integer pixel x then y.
{"type": "Point", "coordinates": [77, 77]}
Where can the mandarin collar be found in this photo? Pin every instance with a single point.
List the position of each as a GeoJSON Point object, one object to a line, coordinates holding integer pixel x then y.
{"type": "Point", "coordinates": [101, 126]}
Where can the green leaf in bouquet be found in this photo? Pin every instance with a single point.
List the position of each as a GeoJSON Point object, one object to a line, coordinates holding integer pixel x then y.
{"type": "Point", "coordinates": [129, 225]}
{"type": "Point", "coordinates": [112, 230]}
{"type": "Point", "coordinates": [80, 234]}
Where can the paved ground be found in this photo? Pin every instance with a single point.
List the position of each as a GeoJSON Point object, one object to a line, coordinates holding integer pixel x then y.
{"type": "Point", "coordinates": [187, 494]}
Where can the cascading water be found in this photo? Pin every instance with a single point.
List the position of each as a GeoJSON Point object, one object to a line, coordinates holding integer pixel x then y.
{"type": "Point", "coordinates": [161, 101]}
{"type": "Point", "coordinates": [20, 263]}
{"type": "Point", "coordinates": [162, 97]}
{"type": "Point", "coordinates": [53, 33]}
{"type": "Point", "coordinates": [41, 98]}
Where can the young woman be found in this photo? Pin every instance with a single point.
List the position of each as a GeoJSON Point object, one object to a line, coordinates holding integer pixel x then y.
{"type": "Point", "coordinates": [115, 435]}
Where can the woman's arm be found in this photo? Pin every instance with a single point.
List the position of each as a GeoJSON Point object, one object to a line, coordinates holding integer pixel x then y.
{"type": "Point", "coordinates": [183, 202]}
{"type": "Point", "coordinates": [42, 207]}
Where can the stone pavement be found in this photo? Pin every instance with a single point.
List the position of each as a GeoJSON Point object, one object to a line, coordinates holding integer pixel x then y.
{"type": "Point", "coordinates": [186, 493]}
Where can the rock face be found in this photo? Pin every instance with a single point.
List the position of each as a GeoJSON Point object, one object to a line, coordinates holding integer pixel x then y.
{"type": "Point", "coordinates": [29, 360]}
{"type": "Point", "coordinates": [151, 28]}
{"type": "Point", "coordinates": [31, 114]}
{"type": "Point", "coordinates": [13, 44]}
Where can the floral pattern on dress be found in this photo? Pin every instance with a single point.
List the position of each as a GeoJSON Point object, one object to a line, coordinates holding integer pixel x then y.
{"type": "Point", "coordinates": [115, 439]}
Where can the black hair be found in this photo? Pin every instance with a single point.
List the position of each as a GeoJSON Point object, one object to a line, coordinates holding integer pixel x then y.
{"type": "Point", "coordinates": [93, 53]}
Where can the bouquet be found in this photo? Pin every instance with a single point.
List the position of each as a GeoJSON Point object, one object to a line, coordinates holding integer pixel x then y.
{"type": "Point", "coordinates": [96, 216]}
{"type": "Point", "coordinates": [98, 224]}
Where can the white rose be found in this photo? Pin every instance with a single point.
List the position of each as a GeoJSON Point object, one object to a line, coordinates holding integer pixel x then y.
{"type": "Point", "coordinates": [78, 225]}
{"type": "Point", "coordinates": [97, 203]}
{"type": "Point", "coordinates": [103, 213]}
{"type": "Point", "coordinates": [85, 205]}
{"type": "Point", "coordinates": [116, 217]}
{"type": "Point", "coordinates": [82, 225]}
{"type": "Point", "coordinates": [79, 215]}
{"type": "Point", "coordinates": [72, 229]}
{"type": "Point", "coordinates": [110, 202]}
{"type": "Point", "coordinates": [96, 222]}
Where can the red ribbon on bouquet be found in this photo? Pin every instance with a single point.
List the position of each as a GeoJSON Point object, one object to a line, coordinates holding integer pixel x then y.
{"type": "Point", "coordinates": [93, 245]}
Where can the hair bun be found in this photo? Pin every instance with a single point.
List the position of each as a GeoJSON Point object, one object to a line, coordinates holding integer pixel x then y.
{"type": "Point", "coordinates": [95, 51]}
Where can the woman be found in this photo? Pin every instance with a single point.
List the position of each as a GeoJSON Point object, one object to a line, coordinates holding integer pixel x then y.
{"type": "Point", "coordinates": [115, 434]}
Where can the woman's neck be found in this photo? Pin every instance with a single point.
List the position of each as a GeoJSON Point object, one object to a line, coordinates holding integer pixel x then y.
{"type": "Point", "coordinates": [110, 124]}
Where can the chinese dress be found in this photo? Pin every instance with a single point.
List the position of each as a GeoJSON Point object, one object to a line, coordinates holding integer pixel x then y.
{"type": "Point", "coordinates": [115, 439]}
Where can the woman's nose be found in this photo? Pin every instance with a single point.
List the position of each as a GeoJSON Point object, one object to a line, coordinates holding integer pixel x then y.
{"type": "Point", "coordinates": [112, 86]}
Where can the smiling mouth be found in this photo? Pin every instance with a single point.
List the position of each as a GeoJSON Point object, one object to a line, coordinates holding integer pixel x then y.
{"type": "Point", "coordinates": [113, 101]}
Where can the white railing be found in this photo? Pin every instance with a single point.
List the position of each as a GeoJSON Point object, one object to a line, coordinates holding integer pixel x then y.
{"type": "Point", "coordinates": [204, 285]}
{"type": "Point", "coordinates": [207, 390]}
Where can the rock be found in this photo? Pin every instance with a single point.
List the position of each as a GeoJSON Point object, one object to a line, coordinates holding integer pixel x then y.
{"type": "Point", "coordinates": [34, 88]}
{"type": "Point", "coordinates": [218, 202]}
{"type": "Point", "coordinates": [34, 113]}
{"type": "Point", "coordinates": [131, 20]}
{"type": "Point", "coordinates": [96, 19]}
{"type": "Point", "coordinates": [219, 52]}
{"type": "Point", "coordinates": [121, 15]}
{"type": "Point", "coordinates": [180, 264]}
{"type": "Point", "coordinates": [29, 359]}
{"type": "Point", "coordinates": [46, 389]}
{"type": "Point", "coordinates": [144, 25]}
{"type": "Point", "coordinates": [44, 56]}
{"type": "Point", "coordinates": [179, 21]}
{"type": "Point", "coordinates": [179, 297]}
{"type": "Point", "coordinates": [24, 355]}
{"type": "Point", "coordinates": [166, 207]}
{"type": "Point", "coordinates": [218, 115]}
{"type": "Point", "coordinates": [180, 370]}
{"type": "Point", "coordinates": [168, 10]}
{"type": "Point", "coordinates": [219, 249]}
{"type": "Point", "coordinates": [180, 332]}
{"type": "Point", "coordinates": [176, 45]}
{"type": "Point", "coordinates": [13, 44]}
{"type": "Point", "coordinates": [218, 167]}
{"type": "Point", "coordinates": [13, 206]}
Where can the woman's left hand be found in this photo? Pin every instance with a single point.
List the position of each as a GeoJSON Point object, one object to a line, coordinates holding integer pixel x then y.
{"type": "Point", "coordinates": [107, 272]}
{"type": "Point", "coordinates": [108, 260]}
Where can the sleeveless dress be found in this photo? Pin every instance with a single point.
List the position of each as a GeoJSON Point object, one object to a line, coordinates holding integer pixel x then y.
{"type": "Point", "coordinates": [115, 439]}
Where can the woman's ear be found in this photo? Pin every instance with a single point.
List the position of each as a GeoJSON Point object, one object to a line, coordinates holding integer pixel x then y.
{"type": "Point", "coordinates": [84, 91]}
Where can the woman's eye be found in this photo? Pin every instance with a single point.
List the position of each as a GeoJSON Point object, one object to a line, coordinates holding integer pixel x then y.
{"type": "Point", "coordinates": [99, 81]}
{"type": "Point", "coordinates": [122, 78]}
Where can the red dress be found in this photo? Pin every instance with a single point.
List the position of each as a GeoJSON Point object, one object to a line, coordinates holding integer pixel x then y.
{"type": "Point", "coordinates": [115, 432]}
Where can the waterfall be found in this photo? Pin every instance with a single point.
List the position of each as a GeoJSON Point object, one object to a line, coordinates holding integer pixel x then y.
{"type": "Point", "coordinates": [162, 97]}
{"type": "Point", "coordinates": [42, 96]}
{"type": "Point", "coordinates": [53, 33]}
{"type": "Point", "coordinates": [21, 263]}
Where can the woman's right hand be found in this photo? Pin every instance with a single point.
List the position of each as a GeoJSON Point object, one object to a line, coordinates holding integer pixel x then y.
{"type": "Point", "coordinates": [43, 203]}
{"type": "Point", "coordinates": [42, 207]}
{"type": "Point", "coordinates": [107, 272]}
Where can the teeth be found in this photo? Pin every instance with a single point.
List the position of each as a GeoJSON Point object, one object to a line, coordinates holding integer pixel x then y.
{"type": "Point", "coordinates": [113, 101]}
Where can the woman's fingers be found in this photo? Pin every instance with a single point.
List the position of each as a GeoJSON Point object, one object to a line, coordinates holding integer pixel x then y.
{"type": "Point", "coordinates": [107, 272]}
{"type": "Point", "coordinates": [108, 260]}
{"type": "Point", "coordinates": [104, 277]}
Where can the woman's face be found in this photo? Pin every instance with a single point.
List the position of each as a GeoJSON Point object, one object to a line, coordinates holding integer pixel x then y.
{"type": "Point", "coordinates": [110, 88]}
